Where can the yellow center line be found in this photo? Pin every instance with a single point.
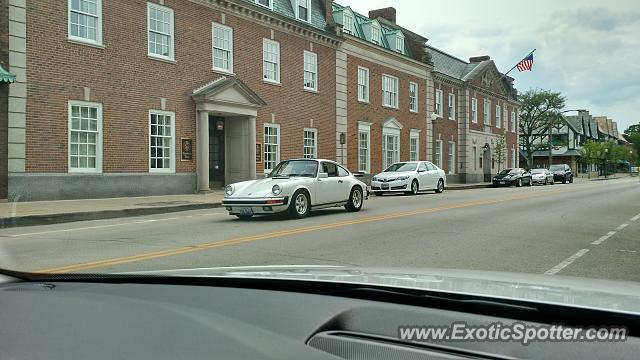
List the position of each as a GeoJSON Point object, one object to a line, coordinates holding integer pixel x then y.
{"type": "Point", "coordinates": [276, 234]}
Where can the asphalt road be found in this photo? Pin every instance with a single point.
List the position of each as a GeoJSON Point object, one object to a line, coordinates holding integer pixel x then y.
{"type": "Point", "coordinates": [589, 228]}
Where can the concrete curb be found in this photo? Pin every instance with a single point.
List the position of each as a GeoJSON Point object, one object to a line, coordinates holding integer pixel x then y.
{"type": "Point", "coordinates": [32, 220]}
{"type": "Point", "coordinates": [468, 187]}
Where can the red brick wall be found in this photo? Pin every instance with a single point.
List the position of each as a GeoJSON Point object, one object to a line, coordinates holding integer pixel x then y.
{"type": "Point", "coordinates": [129, 84]}
{"type": "Point", "coordinates": [376, 114]}
{"type": "Point", "coordinates": [445, 128]}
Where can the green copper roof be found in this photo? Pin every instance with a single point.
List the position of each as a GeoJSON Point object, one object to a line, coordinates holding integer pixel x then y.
{"type": "Point", "coordinates": [6, 76]}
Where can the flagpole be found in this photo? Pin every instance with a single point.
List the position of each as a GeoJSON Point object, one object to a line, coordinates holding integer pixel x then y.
{"type": "Point", "coordinates": [526, 56]}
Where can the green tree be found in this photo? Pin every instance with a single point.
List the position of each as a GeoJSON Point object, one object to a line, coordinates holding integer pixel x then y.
{"type": "Point", "coordinates": [539, 109]}
{"type": "Point", "coordinates": [500, 149]}
{"type": "Point", "coordinates": [632, 134]}
{"type": "Point", "coordinates": [591, 152]}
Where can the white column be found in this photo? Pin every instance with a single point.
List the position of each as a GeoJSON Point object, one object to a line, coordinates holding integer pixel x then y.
{"type": "Point", "coordinates": [202, 154]}
{"type": "Point", "coordinates": [251, 134]}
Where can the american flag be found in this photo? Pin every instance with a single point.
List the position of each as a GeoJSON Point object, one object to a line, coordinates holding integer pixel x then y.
{"type": "Point", "coordinates": [526, 63]}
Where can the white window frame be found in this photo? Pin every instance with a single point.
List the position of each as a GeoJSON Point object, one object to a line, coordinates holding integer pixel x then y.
{"type": "Point", "coordinates": [438, 154]}
{"type": "Point", "coordinates": [310, 67]}
{"type": "Point", "coordinates": [171, 33]}
{"type": "Point", "coordinates": [213, 48]}
{"type": "Point", "coordinates": [268, 7]}
{"type": "Point", "coordinates": [98, 132]}
{"type": "Point", "coordinates": [513, 121]}
{"type": "Point", "coordinates": [474, 110]}
{"type": "Point", "coordinates": [505, 118]}
{"type": "Point", "coordinates": [486, 112]}
{"type": "Point", "coordinates": [363, 83]}
{"type": "Point", "coordinates": [266, 42]}
{"type": "Point", "coordinates": [413, 97]}
{"type": "Point", "coordinates": [376, 34]}
{"type": "Point", "coordinates": [395, 134]}
{"type": "Point", "coordinates": [313, 147]}
{"type": "Point", "coordinates": [513, 157]}
{"type": "Point", "coordinates": [438, 102]}
{"type": "Point", "coordinates": [264, 146]}
{"type": "Point", "coordinates": [400, 44]}
{"type": "Point", "coordinates": [498, 116]}
{"type": "Point", "coordinates": [393, 82]}
{"type": "Point", "coordinates": [347, 26]}
{"type": "Point", "coordinates": [98, 16]}
{"type": "Point", "coordinates": [451, 157]}
{"type": "Point", "coordinates": [414, 135]}
{"type": "Point", "coordinates": [364, 129]}
{"type": "Point", "coordinates": [451, 106]}
{"type": "Point", "coordinates": [307, 6]}
{"type": "Point", "coordinates": [172, 157]}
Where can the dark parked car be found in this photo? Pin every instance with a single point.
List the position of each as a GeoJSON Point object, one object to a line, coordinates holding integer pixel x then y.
{"type": "Point", "coordinates": [562, 173]}
{"type": "Point", "coordinates": [513, 176]}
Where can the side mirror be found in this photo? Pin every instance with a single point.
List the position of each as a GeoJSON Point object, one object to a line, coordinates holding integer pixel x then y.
{"type": "Point", "coordinates": [421, 170]}
{"type": "Point", "coordinates": [323, 175]}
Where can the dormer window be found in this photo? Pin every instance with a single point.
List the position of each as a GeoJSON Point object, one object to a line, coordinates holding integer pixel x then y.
{"type": "Point", "coordinates": [265, 3]}
{"type": "Point", "coordinates": [347, 23]}
{"type": "Point", "coordinates": [400, 44]}
{"type": "Point", "coordinates": [375, 34]}
{"type": "Point", "coordinates": [303, 10]}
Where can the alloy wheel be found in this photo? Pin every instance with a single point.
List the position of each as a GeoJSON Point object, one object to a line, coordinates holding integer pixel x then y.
{"type": "Point", "coordinates": [301, 204]}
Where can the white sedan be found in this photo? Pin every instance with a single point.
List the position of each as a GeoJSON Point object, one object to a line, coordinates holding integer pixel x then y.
{"type": "Point", "coordinates": [409, 177]}
{"type": "Point", "coordinates": [297, 186]}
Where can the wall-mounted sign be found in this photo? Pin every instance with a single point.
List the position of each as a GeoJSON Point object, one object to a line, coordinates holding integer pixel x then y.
{"type": "Point", "coordinates": [258, 152]}
{"type": "Point", "coordinates": [187, 149]}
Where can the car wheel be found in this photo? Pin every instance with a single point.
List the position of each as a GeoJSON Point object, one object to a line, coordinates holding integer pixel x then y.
{"type": "Point", "coordinates": [571, 180]}
{"type": "Point", "coordinates": [355, 200]}
{"type": "Point", "coordinates": [414, 187]}
{"type": "Point", "coordinates": [564, 180]}
{"type": "Point", "coordinates": [378, 193]}
{"type": "Point", "coordinates": [244, 217]}
{"type": "Point", "coordinates": [546, 181]}
{"type": "Point", "coordinates": [300, 205]}
{"type": "Point", "coordinates": [530, 182]}
{"type": "Point", "coordinates": [519, 184]}
{"type": "Point", "coordinates": [440, 187]}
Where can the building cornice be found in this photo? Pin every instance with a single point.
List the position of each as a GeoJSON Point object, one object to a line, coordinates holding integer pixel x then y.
{"type": "Point", "coordinates": [269, 18]}
{"type": "Point", "coordinates": [371, 52]}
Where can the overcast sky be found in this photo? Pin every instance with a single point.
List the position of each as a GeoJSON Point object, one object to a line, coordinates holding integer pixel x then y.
{"type": "Point", "coordinates": [589, 50]}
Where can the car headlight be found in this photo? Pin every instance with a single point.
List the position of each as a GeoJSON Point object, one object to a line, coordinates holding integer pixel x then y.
{"type": "Point", "coordinates": [276, 190]}
{"type": "Point", "coordinates": [228, 190]}
{"type": "Point", "coordinates": [403, 177]}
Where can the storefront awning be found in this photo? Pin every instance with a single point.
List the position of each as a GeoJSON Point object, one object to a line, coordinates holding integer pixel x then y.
{"type": "Point", "coordinates": [5, 76]}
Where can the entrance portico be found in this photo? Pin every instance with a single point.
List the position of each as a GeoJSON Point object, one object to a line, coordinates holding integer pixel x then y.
{"type": "Point", "coordinates": [225, 108]}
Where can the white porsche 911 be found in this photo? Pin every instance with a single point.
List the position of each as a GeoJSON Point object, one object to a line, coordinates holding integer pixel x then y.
{"type": "Point", "coordinates": [297, 186]}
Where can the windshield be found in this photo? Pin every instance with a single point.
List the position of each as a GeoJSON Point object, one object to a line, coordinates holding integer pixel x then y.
{"type": "Point", "coordinates": [508, 171]}
{"type": "Point", "coordinates": [556, 167]}
{"type": "Point", "coordinates": [305, 168]}
{"type": "Point", "coordinates": [538, 171]}
{"type": "Point", "coordinates": [402, 167]}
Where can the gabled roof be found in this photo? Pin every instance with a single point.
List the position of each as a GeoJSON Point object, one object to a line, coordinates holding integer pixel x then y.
{"type": "Point", "coordinates": [248, 96]}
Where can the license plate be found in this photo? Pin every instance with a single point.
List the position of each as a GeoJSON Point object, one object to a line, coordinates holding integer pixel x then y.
{"type": "Point", "coordinates": [501, 182]}
{"type": "Point", "coordinates": [246, 211]}
{"type": "Point", "coordinates": [385, 186]}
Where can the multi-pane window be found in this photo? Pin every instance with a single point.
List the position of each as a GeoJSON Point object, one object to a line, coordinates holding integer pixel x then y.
{"type": "Point", "coordinates": [363, 84]}
{"type": "Point", "coordinates": [513, 121]}
{"type": "Point", "coordinates": [375, 34]}
{"type": "Point", "coordinates": [452, 106]}
{"type": "Point", "coordinates": [390, 91]}
{"type": "Point", "coordinates": [438, 108]}
{"type": "Point", "coordinates": [364, 136]}
{"type": "Point", "coordinates": [160, 23]}
{"type": "Point", "coordinates": [310, 139]}
{"type": "Point", "coordinates": [400, 44]}
{"type": "Point", "coordinates": [347, 23]}
{"type": "Point", "coordinates": [474, 110]}
{"type": "Point", "coordinates": [271, 60]}
{"type": "Point", "coordinates": [513, 158]}
{"type": "Point", "coordinates": [505, 113]}
{"type": "Point", "coordinates": [85, 20]}
{"type": "Point", "coordinates": [487, 112]}
{"type": "Point", "coordinates": [271, 146]}
{"type": "Point", "coordinates": [452, 157]}
{"type": "Point", "coordinates": [414, 146]}
{"type": "Point", "coordinates": [390, 149]}
{"type": "Point", "coordinates": [85, 132]}
{"type": "Point", "coordinates": [498, 116]}
{"type": "Point", "coordinates": [475, 158]}
{"type": "Point", "coordinates": [310, 71]}
{"type": "Point", "coordinates": [413, 97]}
{"type": "Point", "coordinates": [438, 157]}
{"type": "Point", "coordinates": [161, 141]}
{"type": "Point", "coordinates": [222, 48]}
{"type": "Point", "coordinates": [303, 10]}
{"type": "Point", "coordinates": [265, 3]}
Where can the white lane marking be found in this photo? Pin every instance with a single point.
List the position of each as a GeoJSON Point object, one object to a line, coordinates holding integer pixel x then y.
{"type": "Point", "coordinates": [603, 238]}
{"type": "Point", "coordinates": [111, 225]}
{"type": "Point", "coordinates": [566, 262]}
{"type": "Point", "coordinates": [635, 217]}
{"type": "Point", "coordinates": [622, 226]}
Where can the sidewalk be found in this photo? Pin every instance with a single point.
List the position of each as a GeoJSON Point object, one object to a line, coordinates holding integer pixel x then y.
{"type": "Point", "coordinates": [61, 211]}
{"type": "Point", "coordinates": [452, 186]}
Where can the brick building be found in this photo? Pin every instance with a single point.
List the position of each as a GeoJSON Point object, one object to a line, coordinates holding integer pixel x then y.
{"type": "Point", "coordinates": [132, 98]}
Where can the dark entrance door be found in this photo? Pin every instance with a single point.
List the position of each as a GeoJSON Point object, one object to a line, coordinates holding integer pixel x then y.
{"type": "Point", "coordinates": [216, 151]}
{"type": "Point", "coordinates": [487, 163]}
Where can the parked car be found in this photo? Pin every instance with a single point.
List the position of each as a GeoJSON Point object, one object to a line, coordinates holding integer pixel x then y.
{"type": "Point", "coordinates": [297, 186]}
{"type": "Point", "coordinates": [541, 176]}
{"type": "Point", "coordinates": [512, 176]}
{"type": "Point", "coordinates": [409, 177]}
{"type": "Point", "coordinates": [562, 173]}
